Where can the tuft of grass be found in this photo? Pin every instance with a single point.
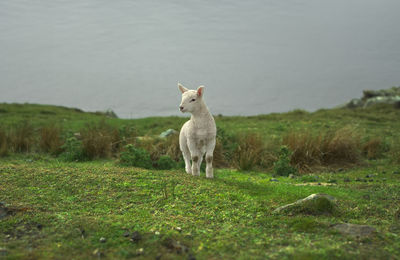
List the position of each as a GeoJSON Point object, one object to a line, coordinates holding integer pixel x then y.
{"type": "Point", "coordinates": [249, 152]}
{"type": "Point", "coordinates": [310, 150]}
{"type": "Point", "coordinates": [50, 139]}
{"type": "Point", "coordinates": [100, 140]}
{"type": "Point", "coordinates": [373, 148]}
{"type": "Point", "coordinates": [394, 153]}
{"type": "Point", "coordinates": [3, 143]}
{"type": "Point", "coordinates": [21, 137]}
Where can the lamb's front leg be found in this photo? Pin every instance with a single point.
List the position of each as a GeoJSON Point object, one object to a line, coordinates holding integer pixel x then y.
{"type": "Point", "coordinates": [196, 164]}
{"type": "Point", "coordinates": [209, 159]}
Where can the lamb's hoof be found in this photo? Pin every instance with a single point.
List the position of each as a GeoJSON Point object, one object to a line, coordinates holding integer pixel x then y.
{"type": "Point", "coordinates": [188, 171]}
{"type": "Point", "coordinates": [210, 177]}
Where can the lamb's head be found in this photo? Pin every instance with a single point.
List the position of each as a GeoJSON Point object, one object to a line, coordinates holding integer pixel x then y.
{"type": "Point", "coordinates": [191, 99]}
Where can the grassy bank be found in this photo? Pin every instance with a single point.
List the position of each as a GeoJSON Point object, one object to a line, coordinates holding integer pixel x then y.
{"type": "Point", "coordinates": [52, 208]}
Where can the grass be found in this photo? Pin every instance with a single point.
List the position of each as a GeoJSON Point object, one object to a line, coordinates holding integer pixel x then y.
{"type": "Point", "coordinates": [57, 209]}
{"type": "Point", "coordinates": [63, 209]}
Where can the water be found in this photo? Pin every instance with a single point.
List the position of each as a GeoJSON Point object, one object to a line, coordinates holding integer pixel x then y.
{"type": "Point", "coordinates": [253, 57]}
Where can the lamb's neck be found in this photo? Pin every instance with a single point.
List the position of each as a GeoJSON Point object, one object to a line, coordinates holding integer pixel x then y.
{"type": "Point", "coordinates": [201, 115]}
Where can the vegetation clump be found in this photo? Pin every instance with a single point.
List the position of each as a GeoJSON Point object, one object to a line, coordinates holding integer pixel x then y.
{"type": "Point", "coordinates": [282, 166]}
{"type": "Point", "coordinates": [165, 163]}
{"type": "Point", "coordinates": [73, 150]}
{"type": "Point", "coordinates": [137, 157]}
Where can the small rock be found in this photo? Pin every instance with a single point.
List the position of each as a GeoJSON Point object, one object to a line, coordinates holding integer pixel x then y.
{"type": "Point", "coordinates": [157, 233]}
{"type": "Point", "coordinates": [3, 210]}
{"type": "Point", "coordinates": [355, 230]}
{"type": "Point", "coordinates": [139, 251]}
{"type": "Point", "coordinates": [103, 240]}
{"type": "Point", "coordinates": [314, 204]}
{"type": "Point", "coordinates": [98, 253]}
{"type": "Point", "coordinates": [136, 237]}
{"type": "Point", "coordinates": [179, 229]}
{"type": "Point", "coordinates": [273, 179]}
{"type": "Point", "coordinates": [366, 197]}
{"type": "Point", "coordinates": [3, 251]}
{"type": "Point", "coordinates": [168, 133]}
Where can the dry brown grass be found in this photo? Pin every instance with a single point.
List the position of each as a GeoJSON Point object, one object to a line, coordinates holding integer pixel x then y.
{"type": "Point", "coordinates": [50, 139]}
{"type": "Point", "coordinates": [249, 152]}
{"type": "Point", "coordinates": [100, 140]}
{"type": "Point", "coordinates": [3, 143]}
{"type": "Point", "coordinates": [340, 147]}
{"type": "Point", "coordinates": [373, 148]}
{"type": "Point", "coordinates": [158, 147]}
{"type": "Point", "coordinates": [394, 153]}
{"type": "Point", "coordinates": [21, 137]}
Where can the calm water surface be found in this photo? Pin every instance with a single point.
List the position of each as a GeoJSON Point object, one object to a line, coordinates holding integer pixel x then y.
{"type": "Point", "coordinates": [253, 57]}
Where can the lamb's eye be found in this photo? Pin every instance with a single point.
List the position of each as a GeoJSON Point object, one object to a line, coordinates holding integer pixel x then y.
{"type": "Point", "coordinates": [192, 100]}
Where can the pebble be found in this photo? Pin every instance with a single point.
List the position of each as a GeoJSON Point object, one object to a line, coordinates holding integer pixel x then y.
{"type": "Point", "coordinates": [3, 251]}
{"type": "Point", "coordinates": [136, 237]}
{"type": "Point", "coordinates": [103, 240]}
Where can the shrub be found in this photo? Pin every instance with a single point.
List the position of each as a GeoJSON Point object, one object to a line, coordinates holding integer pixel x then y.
{"type": "Point", "coordinates": [22, 137]}
{"type": "Point", "coordinates": [73, 150]}
{"type": "Point", "coordinates": [138, 157]}
{"type": "Point", "coordinates": [3, 143]}
{"type": "Point", "coordinates": [165, 163]}
{"type": "Point", "coordinates": [100, 140]}
{"type": "Point", "coordinates": [50, 140]}
{"type": "Point", "coordinates": [249, 151]}
{"type": "Point", "coordinates": [282, 166]}
{"type": "Point", "coordinates": [226, 145]}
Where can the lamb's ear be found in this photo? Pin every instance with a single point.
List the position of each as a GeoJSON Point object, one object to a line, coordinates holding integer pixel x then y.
{"type": "Point", "coordinates": [182, 88]}
{"type": "Point", "coordinates": [200, 91]}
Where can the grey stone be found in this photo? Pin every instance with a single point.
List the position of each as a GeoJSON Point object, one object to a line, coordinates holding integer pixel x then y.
{"type": "Point", "coordinates": [355, 230]}
{"type": "Point", "coordinates": [313, 204]}
{"type": "Point", "coordinates": [168, 133]}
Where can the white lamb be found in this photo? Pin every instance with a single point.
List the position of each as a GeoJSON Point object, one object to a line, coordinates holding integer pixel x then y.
{"type": "Point", "coordinates": [197, 136]}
